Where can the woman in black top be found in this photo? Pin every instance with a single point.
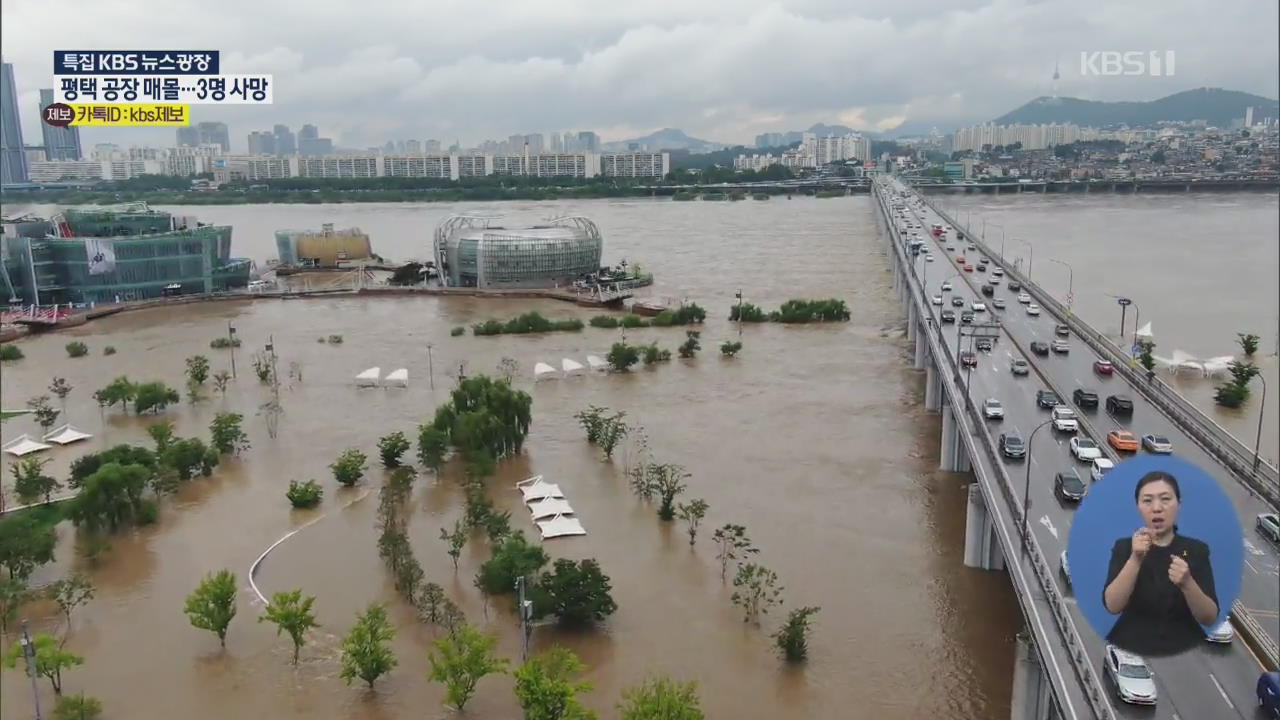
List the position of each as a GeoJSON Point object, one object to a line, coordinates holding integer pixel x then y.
{"type": "Point", "coordinates": [1159, 582]}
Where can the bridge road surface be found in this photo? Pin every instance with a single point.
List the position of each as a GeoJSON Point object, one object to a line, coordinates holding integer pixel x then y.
{"type": "Point", "coordinates": [1260, 586]}
{"type": "Point", "coordinates": [1209, 682]}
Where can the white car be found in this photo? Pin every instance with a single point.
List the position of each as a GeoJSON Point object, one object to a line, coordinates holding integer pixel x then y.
{"type": "Point", "coordinates": [937, 299]}
{"type": "Point", "coordinates": [946, 286]}
{"type": "Point", "coordinates": [1024, 298]}
{"type": "Point", "coordinates": [1221, 633]}
{"type": "Point", "coordinates": [1064, 419]}
{"type": "Point", "coordinates": [1066, 569]}
{"type": "Point", "coordinates": [998, 303]}
{"type": "Point", "coordinates": [998, 272]}
{"type": "Point", "coordinates": [1033, 309]}
{"type": "Point", "coordinates": [994, 280]}
{"type": "Point", "coordinates": [1135, 683]}
{"type": "Point", "coordinates": [1084, 449]}
{"type": "Point", "coordinates": [1100, 467]}
{"type": "Point", "coordinates": [928, 258]}
{"type": "Point", "coordinates": [992, 409]}
{"type": "Point", "coordinates": [978, 307]}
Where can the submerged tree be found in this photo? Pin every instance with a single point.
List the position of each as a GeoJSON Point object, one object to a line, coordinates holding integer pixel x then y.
{"type": "Point", "coordinates": [661, 699]}
{"type": "Point", "coordinates": [290, 612]}
{"type": "Point", "coordinates": [50, 659]}
{"type": "Point", "coordinates": [692, 513]}
{"type": "Point", "coordinates": [792, 638]}
{"type": "Point", "coordinates": [461, 659]}
{"type": "Point", "coordinates": [70, 593]}
{"type": "Point", "coordinates": [365, 654]}
{"type": "Point", "coordinates": [732, 543]}
{"type": "Point", "coordinates": [212, 605]}
{"type": "Point", "coordinates": [757, 591]}
{"type": "Point", "coordinates": [547, 689]}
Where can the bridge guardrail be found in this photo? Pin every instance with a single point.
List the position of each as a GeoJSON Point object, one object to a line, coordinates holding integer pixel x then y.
{"type": "Point", "coordinates": [1264, 484]}
{"type": "Point", "coordinates": [1094, 691]}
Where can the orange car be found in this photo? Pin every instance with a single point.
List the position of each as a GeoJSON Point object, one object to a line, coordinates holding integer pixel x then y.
{"type": "Point", "coordinates": [1122, 441]}
{"type": "Point", "coordinates": [968, 268]}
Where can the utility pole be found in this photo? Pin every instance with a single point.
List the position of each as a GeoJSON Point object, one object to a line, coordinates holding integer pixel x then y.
{"type": "Point", "coordinates": [29, 652]}
{"type": "Point", "coordinates": [525, 608]}
{"type": "Point", "coordinates": [431, 368]}
{"type": "Point", "coordinates": [739, 296]}
{"type": "Point", "coordinates": [231, 337]}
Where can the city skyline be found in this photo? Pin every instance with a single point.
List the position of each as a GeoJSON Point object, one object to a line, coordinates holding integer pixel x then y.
{"type": "Point", "coordinates": [721, 76]}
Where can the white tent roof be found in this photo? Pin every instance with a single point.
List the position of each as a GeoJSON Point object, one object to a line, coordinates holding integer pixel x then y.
{"type": "Point", "coordinates": [369, 377]}
{"type": "Point", "coordinates": [570, 365]}
{"type": "Point", "coordinates": [560, 526]}
{"type": "Point", "coordinates": [23, 445]}
{"type": "Point", "coordinates": [596, 363]}
{"type": "Point", "coordinates": [542, 370]}
{"type": "Point", "coordinates": [549, 507]}
{"type": "Point", "coordinates": [535, 488]}
{"type": "Point", "coordinates": [1144, 331]}
{"type": "Point", "coordinates": [66, 434]}
{"type": "Point", "coordinates": [398, 378]}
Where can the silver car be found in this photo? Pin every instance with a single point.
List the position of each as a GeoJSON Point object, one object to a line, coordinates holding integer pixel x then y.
{"type": "Point", "coordinates": [1269, 526]}
{"type": "Point", "coordinates": [1221, 633]}
{"type": "Point", "coordinates": [1158, 444]}
{"type": "Point", "coordinates": [1066, 569]}
{"type": "Point", "coordinates": [1134, 681]}
{"type": "Point", "coordinates": [992, 409]}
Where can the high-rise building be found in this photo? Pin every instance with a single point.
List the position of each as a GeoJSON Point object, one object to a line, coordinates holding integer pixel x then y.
{"type": "Point", "coordinates": [1248, 117]}
{"type": "Point", "coordinates": [588, 141]}
{"type": "Point", "coordinates": [285, 143]}
{"type": "Point", "coordinates": [534, 143]}
{"type": "Point", "coordinates": [13, 157]}
{"type": "Point", "coordinates": [308, 132]}
{"type": "Point", "coordinates": [432, 146]}
{"type": "Point", "coordinates": [60, 143]}
{"type": "Point", "coordinates": [262, 143]}
{"type": "Point", "coordinates": [188, 137]}
{"type": "Point", "coordinates": [389, 148]}
{"type": "Point", "coordinates": [413, 147]}
{"type": "Point", "coordinates": [214, 133]}
{"type": "Point", "coordinates": [556, 144]}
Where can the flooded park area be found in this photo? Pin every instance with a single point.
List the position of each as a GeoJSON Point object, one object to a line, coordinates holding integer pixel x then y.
{"type": "Point", "coordinates": [814, 438]}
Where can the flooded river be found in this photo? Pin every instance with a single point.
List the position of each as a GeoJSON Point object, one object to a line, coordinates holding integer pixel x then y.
{"type": "Point", "coordinates": [814, 438]}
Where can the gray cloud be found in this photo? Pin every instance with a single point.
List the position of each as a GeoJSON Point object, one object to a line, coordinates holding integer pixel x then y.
{"type": "Point", "coordinates": [376, 70]}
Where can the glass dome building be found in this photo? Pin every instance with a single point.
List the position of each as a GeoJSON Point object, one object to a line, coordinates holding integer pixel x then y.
{"type": "Point", "coordinates": [476, 251]}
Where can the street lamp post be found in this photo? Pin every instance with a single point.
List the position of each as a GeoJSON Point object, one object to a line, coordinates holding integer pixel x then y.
{"type": "Point", "coordinates": [431, 367]}
{"type": "Point", "coordinates": [739, 296]}
{"type": "Point", "coordinates": [1002, 236]}
{"type": "Point", "coordinates": [29, 653]}
{"type": "Point", "coordinates": [1026, 489]}
{"type": "Point", "coordinates": [1031, 255]}
{"type": "Point", "coordinates": [1071, 275]}
{"type": "Point", "coordinates": [1261, 411]}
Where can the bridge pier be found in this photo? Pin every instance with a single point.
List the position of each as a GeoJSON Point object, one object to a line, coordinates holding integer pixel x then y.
{"type": "Point", "coordinates": [1032, 693]}
{"type": "Point", "coordinates": [913, 321]}
{"type": "Point", "coordinates": [981, 547]}
{"type": "Point", "coordinates": [922, 349]}
{"type": "Point", "coordinates": [932, 387]}
{"type": "Point", "coordinates": [954, 458]}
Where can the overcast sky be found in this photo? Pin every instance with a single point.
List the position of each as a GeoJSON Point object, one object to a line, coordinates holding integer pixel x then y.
{"type": "Point", "coordinates": [723, 70]}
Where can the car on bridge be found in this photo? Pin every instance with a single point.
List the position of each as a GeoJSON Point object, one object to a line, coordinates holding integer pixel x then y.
{"type": "Point", "coordinates": [1064, 419]}
{"type": "Point", "coordinates": [928, 257]}
{"type": "Point", "coordinates": [946, 286]}
{"type": "Point", "coordinates": [994, 279]}
{"type": "Point", "coordinates": [985, 344]}
{"type": "Point", "coordinates": [988, 290]}
{"type": "Point", "coordinates": [1012, 445]}
{"type": "Point", "coordinates": [998, 303]}
{"type": "Point", "coordinates": [992, 409]}
{"type": "Point", "coordinates": [1033, 309]}
{"type": "Point", "coordinates": [1103, 367]}
{"type": "Point", "coordinates": [957, 301]}
{"type": "Point", "coordinates": [1018, 366]}
{"type": "Point", "coordinates": [1084, 399]}
{"type": "Point", "coordinates": [1047, 399]}
{"type": "Point", "coordinates": [1134, 681]}
{"type": "Point", "coordinates": [1084, 449]}
{"type": "Point", "coordinates": [1040, 348]}
{"type": "Point", "coordinates": [998, 272]}
{"type": "Point", "coordinates": [1061, 330]}
{"type": "Point", "coordinates": [948, 316]}
{"type": "Point", "coordinates": [1069, 486]}
{"type": "Point", "coordinates": [1061, 347]}
{"type": "Point", "coordinates": [1065, 568]}
{"type": "Point", "coordinates": [1014, 286]}
{"type": "Point", "coordinates": [1269, 526]}
{"type": "Point", "coordinates": [968, 267]}
{"type": "Point", "coordinates": [966, 317]}
{"type": "Point", "coordinates": [978, 306]}
{"type": "Point", "coordinates": [1119, 405]}
{"type": "Point", "coordinates": [1100, 467]}
{"type": "Point", "coordinates": [1122, 441]}
{"type": "Point", "coordinates": [937, 299]}
{"type": "Point", "coordinates": [968, 359]}
{"type": "Point", "coordinates": [1023, 297]}
{"type": "Point", "coordinates": [1158, 444]}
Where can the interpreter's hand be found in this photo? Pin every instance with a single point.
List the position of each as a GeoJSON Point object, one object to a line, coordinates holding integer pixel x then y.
{"type": "Point", "coordinates": [1141, 543]}
{"type": "Point", "coordinates": [1178, 571]}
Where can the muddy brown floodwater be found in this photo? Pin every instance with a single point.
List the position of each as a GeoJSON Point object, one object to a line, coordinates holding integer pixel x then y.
{"type": "Point", "coordinates": [814, 438]}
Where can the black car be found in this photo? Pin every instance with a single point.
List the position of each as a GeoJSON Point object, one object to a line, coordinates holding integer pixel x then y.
{"type": "Point", "coordinates": [966, 317]}
{"type": "Point", "coordinates": [988, 290]}
{"type": "Point", "coordinates": [1084, 398]}
{"type": "Point", "coordinates": [1047, 399]}
{"type": "Point", "coordinates": [1011, 445]}
{"type": "Point", "coordinates": [968, 359]}
{"type": "Point", "coordinates": [1040, 348]}
{"type": "Point", "coordinates": [1014, 286]}
{"type": "Point", "coordinates": [948, 316]}
{"type": "Point", "coordinates": [957, 301]}
{"type": "Point", "coordinates": [1068, 486]}
{"type": "Point", "coordinates": [982, 267]}
{"type": "Point", "coordinates": [1119, 405]}
{"type": "Point", "coordinates": [984, 344]}
{"type": "Point", "coordinates": [1061, 330]}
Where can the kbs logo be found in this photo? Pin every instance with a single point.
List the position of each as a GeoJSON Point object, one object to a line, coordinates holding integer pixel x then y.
{"type": "Point", "coordinates": [1152, 63]}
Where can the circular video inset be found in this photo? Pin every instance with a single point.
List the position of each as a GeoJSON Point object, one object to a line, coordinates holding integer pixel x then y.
{"type": "Point", "coordinates": [1156, 554]}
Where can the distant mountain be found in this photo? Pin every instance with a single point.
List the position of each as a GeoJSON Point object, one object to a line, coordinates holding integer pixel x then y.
{"type": "Point", "coordinates": [1216, 106]}
{"type": "Point", "coordinates": [667, 139]}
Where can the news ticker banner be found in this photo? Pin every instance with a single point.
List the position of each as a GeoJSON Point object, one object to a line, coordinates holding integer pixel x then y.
{"type": "Point", "coordinates": [145, 87]}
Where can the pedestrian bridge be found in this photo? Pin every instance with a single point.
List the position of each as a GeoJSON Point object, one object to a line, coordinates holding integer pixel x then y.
{"type": "Point", "coordinates": [1014, 521]}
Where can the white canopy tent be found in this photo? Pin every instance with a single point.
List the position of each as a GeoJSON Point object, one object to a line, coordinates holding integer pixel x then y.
{"type": "Point", "coordinates": [1144, 332]}
{"type": "Point", "coordinates": [542, 371]}
{"type": "Point", "coordinates": [571, 367]}
{"type": "Point", "coordinates": [596, 363]}
{"type": "Point", "coordinates": [534, 488]}
{"type": "Point", "coordinates": [397, 378]}
{"type": "Point", "coordinates": [66, 434]}
{"type": "Point", "coordinates": [24, 445]}
{"type": "Point", "coordinates": [549, 507]}
{"type": "Point", "coordinates": [369, 378]}
{"type": "Point", "coordinates": [560, 526]}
